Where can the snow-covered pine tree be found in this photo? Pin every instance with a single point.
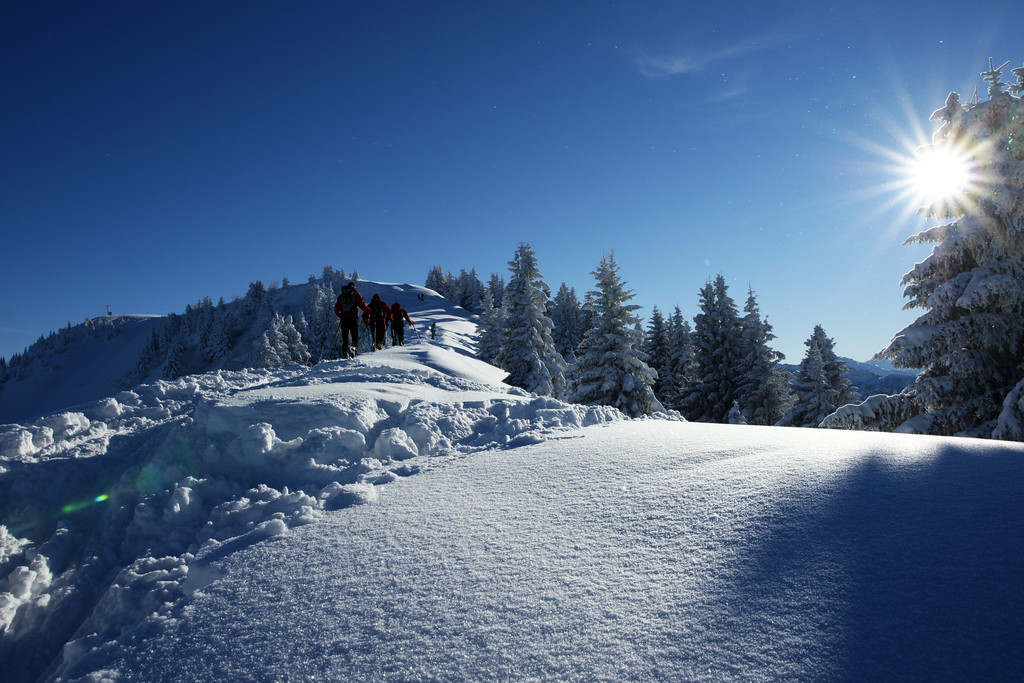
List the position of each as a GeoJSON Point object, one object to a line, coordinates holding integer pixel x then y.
{"type": "Point", "coordinates": [295, 348]}
{"type": "Point", "coordinates": [969, 341]}
{"type": "Point", "coordinates": [657, 353]}
{"type": "Point", "coordinates": [815, 399]}
{"type": "Point", "coordinates": [469, 291]}
{"type": "Point", "coordinates": [254, 298]}
{"type": "Point", "coordinates": [492, 323]}
{"type": "Point", "coordinates": [717, 347]}
{"type": "Point", "coordinates": [178, 362]}
{"type": "Point", "coordinates": [321, 322]}
{"type": "Point", "coordinates": [678, 376]}
{"type": "Point", "coordinates": [263, 353]}
{"type": "Point", "coordinates": [496, 286]}
{"type": "Point", "coordinates": [527, 351]}
{"type": "Point", "coordinates": [275, 334]}
{"type": "Point", "coordinates": [764, 394]}
{"type": "Point", "coordinates": [609, 370]}
{"type": "Point", "coordinates": [218, 344]}
{"type": "Point", "coordinates": [435, 280]}
{"type": "Point", "coordinates": [735, 416]}
{"type": "Point", "coordinates": [168, 330]}
{"type": "Point", "coordinates": [566, 317]}
{"type": "Point", "coordinates": [820, 385]}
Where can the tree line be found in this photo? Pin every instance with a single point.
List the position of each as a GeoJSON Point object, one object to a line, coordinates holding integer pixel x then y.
{"type": "Point", "coordinates": [722, 369]}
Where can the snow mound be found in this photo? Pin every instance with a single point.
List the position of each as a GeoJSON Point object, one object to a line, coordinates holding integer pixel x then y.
{"type": "Point", "coordinates": [139, 485]}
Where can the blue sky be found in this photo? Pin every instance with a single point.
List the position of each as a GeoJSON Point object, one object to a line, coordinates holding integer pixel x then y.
{"type": "Point", "coordinates": [157, 153]}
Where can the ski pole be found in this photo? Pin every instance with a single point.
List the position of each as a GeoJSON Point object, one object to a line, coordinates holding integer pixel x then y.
{"type": "Point", "coordinates": [418, 337]}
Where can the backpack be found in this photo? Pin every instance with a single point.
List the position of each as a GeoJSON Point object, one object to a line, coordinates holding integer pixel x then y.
{"type": "Point", "coordinates": [377, 309]}
{"type": "Point", "coordinates": [348, 300]}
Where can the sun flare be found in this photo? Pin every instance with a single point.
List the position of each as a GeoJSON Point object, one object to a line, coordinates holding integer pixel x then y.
{"type": "Point", "coordinates": [939, 173]}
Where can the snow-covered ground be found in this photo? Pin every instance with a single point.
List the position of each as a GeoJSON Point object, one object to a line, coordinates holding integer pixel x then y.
{"type": "Point", "coordinates": [405, 516]}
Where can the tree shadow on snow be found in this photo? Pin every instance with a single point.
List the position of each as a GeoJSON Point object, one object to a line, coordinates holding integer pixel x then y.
{"type": "Point", "coordinates": [902, 568]}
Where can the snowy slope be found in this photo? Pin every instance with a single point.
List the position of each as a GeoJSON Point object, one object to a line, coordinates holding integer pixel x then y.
{"type": "Point", "coordinates": [90, 364]}
{"type": "Point", "coordinates": [632, 551]}
{"type": "Point", "coordinates": [95, 359]}
{"type": "Point", "coordinates": [405, 516]}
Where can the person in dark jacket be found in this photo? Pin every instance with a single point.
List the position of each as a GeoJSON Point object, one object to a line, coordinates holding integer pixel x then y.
{"type": "Point", "coordinates": [399, 316]}
{"type": "Point", "coordinates": [347, 309]}
{"type": "Point", "coordinates": [376, 317]}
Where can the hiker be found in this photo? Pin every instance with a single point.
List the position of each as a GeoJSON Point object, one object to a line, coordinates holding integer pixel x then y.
{"type": "Point", "coordinates": [397, 326]}
{"type": "Point", "coordinates": [347, 309]}
{"type": "Point", "coordinates": [376, 318]}
{"type": "Point", "coordinates": [433, 330]}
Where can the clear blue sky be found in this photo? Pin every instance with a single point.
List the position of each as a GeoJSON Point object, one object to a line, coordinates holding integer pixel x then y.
{"type": "Point", "coordinates": [157, 153]}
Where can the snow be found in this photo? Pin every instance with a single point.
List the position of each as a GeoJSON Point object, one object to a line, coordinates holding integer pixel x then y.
{"type": "Point", "coordinates": [89, 369]}
{"type": "Point", "coordinates": [405, 516]}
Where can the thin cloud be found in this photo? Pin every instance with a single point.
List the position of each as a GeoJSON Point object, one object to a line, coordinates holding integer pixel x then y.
{"type": "Point", "coordinates": [680, 63]}
{"type": "Point", "coordinates": [663, 66]}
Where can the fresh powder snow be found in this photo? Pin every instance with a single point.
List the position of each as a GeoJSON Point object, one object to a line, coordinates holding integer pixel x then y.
{"type": "Point", "coordinates": [406, 516]}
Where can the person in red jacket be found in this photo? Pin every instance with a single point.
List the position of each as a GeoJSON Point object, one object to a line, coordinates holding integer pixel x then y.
{"type": "Point", "coordinates": [398, 325]}
{"type": "Point", "coordinates": [376, 317]}
{"type": "Point", "coordinates": [347, 309]}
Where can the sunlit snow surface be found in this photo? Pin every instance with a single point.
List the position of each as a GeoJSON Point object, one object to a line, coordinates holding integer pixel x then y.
{"type": "Point", "coordinates": [404, 516]}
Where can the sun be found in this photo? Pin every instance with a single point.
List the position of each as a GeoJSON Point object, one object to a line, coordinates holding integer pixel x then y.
{"type": "Point", "coordinates": [939, 173]}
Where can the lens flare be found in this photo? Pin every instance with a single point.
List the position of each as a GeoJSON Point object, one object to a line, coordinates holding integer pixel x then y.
{"type": "Point", "coordinates": [80, 505]}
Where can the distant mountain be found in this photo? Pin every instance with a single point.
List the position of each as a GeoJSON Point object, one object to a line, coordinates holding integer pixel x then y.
{"type": "Point", "coordinates": [873, 376]}
{"type": "Point", "coordinates": [878, 377]}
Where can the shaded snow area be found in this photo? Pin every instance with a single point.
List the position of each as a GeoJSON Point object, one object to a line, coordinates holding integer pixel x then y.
{"type": "Point", "coordinates": [405, 516]}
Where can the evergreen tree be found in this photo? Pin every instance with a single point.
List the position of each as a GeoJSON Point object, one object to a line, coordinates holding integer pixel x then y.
{"type": "Point", "coordinates": [763, 393]}
{"type": "Point", "coordinates": [177, 364]}
{"type": "Point", "coordinates": [496, 287]}
{"type": "Point", "coordinates": [321, 322]}
{"type": "Point", "coordinates": [820, 386]}
{"type": "Point", "coordinates": [610, 370]}
{"type": "Point", "coordinates": [657, 353]}
{"type": "Point", "coordinates": [969, 340]}
{"type": "Point", "coordinates": [295, 348]}
{"type": "Point", "coordinates": [469, 291]}
{"type": "Point", "coordinates": [435, 279]}
{"type": "Point", "coordinates": [527, 352]}
{"type": "Point", "coordinates": [717, 353]}
{"type": "Point", "coordinates": [567, 319]}
{"type": "Point", "coordinates": [679, 376]}
{"type": "Point", "coordinates": [254, 298]}
{"type": "Point", "coordinates": [492, 323]}
{"type": "Point", "coordinates": [218, 344]}
{"type": "Point", "coordinates": [441, 282]}
{"type": "Point", "coordinates": [263, 353]}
